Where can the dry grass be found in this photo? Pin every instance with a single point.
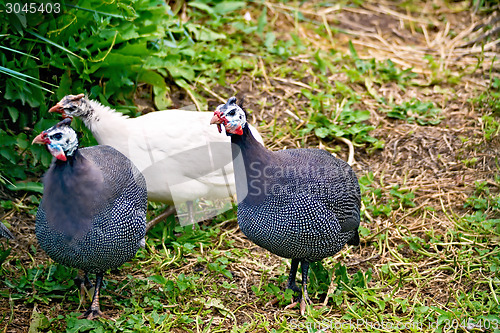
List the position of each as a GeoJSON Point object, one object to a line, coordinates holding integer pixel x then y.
{"type": "Point", "coordinates": [424, 160]}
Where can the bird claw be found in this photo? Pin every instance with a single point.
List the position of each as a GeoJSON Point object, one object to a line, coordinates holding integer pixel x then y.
{"type": "Point", "coordinates": [303, 299]}
{"type": "Point", "coordinates": [291, 305]}
{"type": "Point", "coordinates": [92, 314]}
{"type": "Point", "coordinates": [272, 302]}
{"type": "Point", "coordinates": [303, 304]}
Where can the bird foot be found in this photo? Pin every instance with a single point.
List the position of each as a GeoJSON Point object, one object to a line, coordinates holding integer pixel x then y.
{"type": "Point", "coordinates": [272, 302]}
{"type": "Point", "coordinates": [302, 301]}
{"type": "Point", "coordinates": [92, 314]}
{"type": "Point", "coordinates": [303, 304]}
{"type": "Point", "coordinates": [275, 300]}
{"type": "Point", "coordinates": [291, 305]}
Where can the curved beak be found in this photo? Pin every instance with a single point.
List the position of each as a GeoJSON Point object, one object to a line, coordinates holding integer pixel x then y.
{"type": "Point", "coordinates": [60, 109]}
{"type": "Point", "coordinates": [57, 108]}
{"type": "Point", "coordinates": [41, 139]}
{"type": "Point", "coordinates": [216, 119]}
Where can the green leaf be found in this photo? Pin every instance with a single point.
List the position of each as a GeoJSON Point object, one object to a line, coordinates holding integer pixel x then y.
{"type": "Point", "coordinates": [229, 6]}
{"type": "Point", "coordinates": [13, 112]}
{"type": "Point", "coordinates": [320, 62]}
{"type": "Point", "coordinates": [64, 86]}
{"type": "Point", "coordinates": [26, 186]}
{"type": "Point", "coordinates": [201, 6]}
{"type": "Point", "coordinates": [158, 279]}
{"type": "Point", "coordinates": [204, 34]}
{"type": "Point", "coordinates": [353, 51]}
{"type": "Point", "coordinates": [119, 60]}
{"type": "Point", "coordinates": [261, 23]}
{"type": "Point", "coordinates": [21, 76]}
{"type": "Point", "coordinates": [181, 72]}
{"type": "Point", "coordinates": [321, 132]}
{"type": "Point", "coordinates": [269, 41]}
{"type": "Point", "coordinates": [160, 88]}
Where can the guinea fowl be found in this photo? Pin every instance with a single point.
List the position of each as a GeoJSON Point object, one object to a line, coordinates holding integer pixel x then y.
{"type": "Point", "coordinates": [173, 149]}
{"type": "Point", "coordinates": [93, 211]}
{"type": "Point", "coordinates": [302, 204]}
{"type": "Point", "coordinates": [4, 232]}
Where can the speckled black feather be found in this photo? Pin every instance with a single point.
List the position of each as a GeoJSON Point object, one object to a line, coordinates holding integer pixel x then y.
{"type": "Point", "coordinates": [93, 211]}
{"type": "Point", "coordinates": [300, 203]}
{"type": "Point", "coordinates": [4, 232]}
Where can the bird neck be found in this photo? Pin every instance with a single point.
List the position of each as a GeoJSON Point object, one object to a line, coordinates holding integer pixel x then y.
{"type": "Point", "coordinates": [251, 161]}
{"type": "Point", "coordinates": [97, 117]}
{"type": "Point", "coordinates": [70, 159]}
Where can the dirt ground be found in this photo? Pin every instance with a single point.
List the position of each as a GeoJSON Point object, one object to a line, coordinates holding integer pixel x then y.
{"type": "Point", "coordinates": [424, 159]}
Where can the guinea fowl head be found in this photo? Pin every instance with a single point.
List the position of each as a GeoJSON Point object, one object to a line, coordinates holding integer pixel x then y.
{"type": "Point", "coordinates": [70, 106]}
{"type": "Point", "coordinates": [60, 139]}
{"type": "Point", "coordinates": [232, 116]}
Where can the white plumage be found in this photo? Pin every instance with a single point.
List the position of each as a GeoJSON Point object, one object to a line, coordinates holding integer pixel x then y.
{"type": "Point", "coordinates": [181, 157]}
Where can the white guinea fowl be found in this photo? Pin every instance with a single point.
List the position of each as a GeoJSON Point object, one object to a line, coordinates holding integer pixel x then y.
{"type": "Point", "coordinates": [180, 157]}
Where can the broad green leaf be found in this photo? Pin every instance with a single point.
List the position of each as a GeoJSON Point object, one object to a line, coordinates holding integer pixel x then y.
{"type": "Point", "coordinates": [269, 41]}
{"type": "Point", "coordinates": [13, 112]}
{"type": "Point", "coordinates": [201, 6]}
{"type": "Point", "coordinates": [229, 6]}
{"type": "Point", "coordinates": [321, 132]}
{"type": "Point", "coordinates": [64, 86]}
{"type": "Point", "coordinates": [158, 279]}
{"type": "Point", "coordinates": [204, 34]}
{"type": "Point", "coordinates": [181, 72]}
{"type": "Point", "coordinates": [28, 186]}
{"type": "Point", "coordinates": [160, 89]}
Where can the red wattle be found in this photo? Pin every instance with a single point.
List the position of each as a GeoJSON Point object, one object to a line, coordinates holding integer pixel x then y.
{"type": "Point", "coordinates": [234, 129]}
{"type": "Point", "coordinates": [61, 157]}
{"type": "Point", "coordinates": [238, 130]}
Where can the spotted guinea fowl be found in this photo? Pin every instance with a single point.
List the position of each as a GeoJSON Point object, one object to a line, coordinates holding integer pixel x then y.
{"type": "Point", "coordinates": [4, 232]}
{"type": "Point", "coordinates": [93, 211]}
{"type": "Point", "coordinates": [302, 204]}
{"type": "Point", "coordinates": [174, 149]}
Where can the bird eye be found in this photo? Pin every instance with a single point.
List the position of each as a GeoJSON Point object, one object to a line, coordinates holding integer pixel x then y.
{"type": "Point", "coordinates": [56, 136]}
{"type": "Point", "coordinates": [231, 113]}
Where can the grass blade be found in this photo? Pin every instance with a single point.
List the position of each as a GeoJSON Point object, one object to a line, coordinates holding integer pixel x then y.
{"type": "Point", "coordinates": [48, 41]}
{"type": "Point", "coordinates": [20, 76]}
{"type": "Point", "coordinates": [16, 51]}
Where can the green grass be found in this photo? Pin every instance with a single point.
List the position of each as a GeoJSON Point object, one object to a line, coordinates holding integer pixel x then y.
{"type": "Point", "coordinates": [429, 259]}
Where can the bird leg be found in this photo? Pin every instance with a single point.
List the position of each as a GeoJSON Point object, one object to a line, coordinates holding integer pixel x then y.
{"type": "Point", "coordinates": [82, 279]}
{"type": "Point", "coordinates": [169, 211]}
{"type": "Point", "coordinates": [291, 284]}
{"type": "Point", "coordinates": [304, 299]}
{"type": "Point", "coordinates": [94, 311]}
{"type": "Point", "coordinates": [291, 277]}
